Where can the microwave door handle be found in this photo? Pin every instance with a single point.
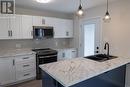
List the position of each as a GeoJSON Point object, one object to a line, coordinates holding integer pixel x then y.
{"type": "Point", "coordinates": [41, 32]}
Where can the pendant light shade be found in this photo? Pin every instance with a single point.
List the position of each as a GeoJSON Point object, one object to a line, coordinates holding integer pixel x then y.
{"type": "Point", "coordinates": [80, 10]}
{"type": "Point", "coordinates": [107, 15]}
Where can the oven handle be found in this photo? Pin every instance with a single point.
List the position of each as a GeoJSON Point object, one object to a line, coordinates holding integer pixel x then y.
{"type": "Point", "coordinates": [47, 56]}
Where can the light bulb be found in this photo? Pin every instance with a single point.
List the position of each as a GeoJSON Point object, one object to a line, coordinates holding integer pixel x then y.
{"type": "Point", "coordinates": [107, 17]}
{"type": "Point", "coordinates": [80, 12]}
{"type": "Point", "coordinates": [43, 1]}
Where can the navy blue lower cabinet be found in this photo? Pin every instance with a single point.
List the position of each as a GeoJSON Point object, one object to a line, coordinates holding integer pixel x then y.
{"type": "Point", "coordinates": [113, 78]}
{"type": "Point", "coordinates": [47, 81]}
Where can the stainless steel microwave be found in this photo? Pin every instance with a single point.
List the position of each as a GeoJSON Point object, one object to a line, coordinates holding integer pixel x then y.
{"type": "Point", "coordinates": [40, 32]}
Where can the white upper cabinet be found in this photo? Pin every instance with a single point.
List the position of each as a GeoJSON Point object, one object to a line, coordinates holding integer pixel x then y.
{"type": "Point", "coordinates": [4, 28]}
{"type": "Point", "coordinates": [15, 27]}
{"type": "Point", "coordinates": [59, 32]}
{"type": "Point", "coordinates": [68, 27]}
{"type": "Point", "coordinates": [21, 26]}
{"type": "Point", "coordinates": [38, 21]}
{"type": "Point", "coordinates": [10, 28]}
{"type": "Point", "coordinates": [27, 28]}
{"type": "Point", "coordinates": [63, 28]}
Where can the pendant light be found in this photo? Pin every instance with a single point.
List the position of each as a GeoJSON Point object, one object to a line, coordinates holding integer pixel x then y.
{"type": "Point", "coordinates": [107, 15]}
{"type": "Point", "coordinates": [80, 10]}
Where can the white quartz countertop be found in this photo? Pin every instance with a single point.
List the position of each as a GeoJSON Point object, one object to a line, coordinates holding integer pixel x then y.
{"type": "Point", "coordinates": [70, 72]}
{"type": "Point", "coordinates": [14, 52]}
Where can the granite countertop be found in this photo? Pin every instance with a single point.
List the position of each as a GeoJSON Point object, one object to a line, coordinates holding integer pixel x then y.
{"type": "Point", "coordinates": [14, 52]}
{"type": "Point", "coordinates": [70, 72]}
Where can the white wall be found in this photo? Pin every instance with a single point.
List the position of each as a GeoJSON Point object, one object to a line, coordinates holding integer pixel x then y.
{"type": "Point", "coordinates": [117, 32]}
{"type": "Point", "coordinates": [28, 11]}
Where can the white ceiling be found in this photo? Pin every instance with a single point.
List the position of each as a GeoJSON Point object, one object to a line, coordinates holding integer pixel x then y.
{"type": "Point", "coordinates": [65, 6]}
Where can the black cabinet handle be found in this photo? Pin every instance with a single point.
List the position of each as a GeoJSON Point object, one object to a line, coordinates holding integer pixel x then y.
{"type": "Point", "coordinates": [9, 33]}
{"type": "Point", "coordinates": [26, 65]}
{"type": "Point", "coordinates": [27, 74]}
{"type": "Point", "coordinates": [13, 62]}
{"type": "Point", "coordinates": [26, 58]}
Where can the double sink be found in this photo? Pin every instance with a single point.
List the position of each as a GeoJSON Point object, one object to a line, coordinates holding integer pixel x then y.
{"type": "Point", "coordinates": [101, 57]}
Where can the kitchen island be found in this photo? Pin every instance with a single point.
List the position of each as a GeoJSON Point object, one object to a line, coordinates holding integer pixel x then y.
{"type": "Point", "coordinates": [81, 72]}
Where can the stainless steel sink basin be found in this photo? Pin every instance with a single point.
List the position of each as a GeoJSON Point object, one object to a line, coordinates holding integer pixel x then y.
{"type": "Point", "coordinates": [101, 57]}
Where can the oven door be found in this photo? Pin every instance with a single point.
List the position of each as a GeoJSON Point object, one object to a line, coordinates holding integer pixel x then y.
{"type": "Point", "coordinates": [47, 59]}
{"type": "Point", "coordinates": [43, 60]}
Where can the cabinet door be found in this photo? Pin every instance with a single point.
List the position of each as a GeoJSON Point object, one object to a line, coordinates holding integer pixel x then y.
{"type": "Point", "coordinates": [60, 55]}
{"type": "Point", "coordinates": [38, 21]}
{"type": "Point", "coordinates": [59, 29]}
{"type": "Point", "coordinates": [7, 71]}
{"type": "Point", "coordinates": [27, 28]}
{"type": "Point", "coordinates": [15, 27]}
{"type": "Point", "coordinates": [73, 53]}
{"type": "Point", "coordinates": [4, 28]}
{"type": "Point", "coordinates": [68, 26]}
{"type": "Point", "coordinates": [67, 54]}
{"type": "Point", "coordinates": [70, 53]}
{"type": "Point", "coordinates": [64, 28]}
{"type": "Point", "coordinates": [57, 24]}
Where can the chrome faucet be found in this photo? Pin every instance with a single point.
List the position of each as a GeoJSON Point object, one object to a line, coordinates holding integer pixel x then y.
{"type": "Point", "coordinates": [107, 47]}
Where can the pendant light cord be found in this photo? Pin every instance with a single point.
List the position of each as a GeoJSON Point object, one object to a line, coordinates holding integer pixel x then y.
{"type": "Point", "coordinates": [107, 5]}
{"type": "Point", "coordinates": [80, 5]}
{"type": "Point", "coordinates": [80, 2]}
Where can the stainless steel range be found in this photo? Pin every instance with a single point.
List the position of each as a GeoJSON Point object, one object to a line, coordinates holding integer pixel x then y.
{"type": "Point", "coordinates": [44, 56]}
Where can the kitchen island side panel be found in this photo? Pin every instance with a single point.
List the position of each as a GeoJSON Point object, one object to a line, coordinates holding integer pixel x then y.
{"type": "Point", "coordinates": [113, 78]}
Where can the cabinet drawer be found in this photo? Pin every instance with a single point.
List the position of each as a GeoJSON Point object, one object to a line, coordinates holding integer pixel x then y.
{"type": "Point", "coordinates": [25, 66]}
{"type": "Point", "coordinates": [25, 58]}
{"type": "Point", "coordinates": [25, 75]}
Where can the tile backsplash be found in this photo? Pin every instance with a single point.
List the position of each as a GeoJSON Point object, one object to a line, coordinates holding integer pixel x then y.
{"type": "Point", "coordinates": [45, 43]}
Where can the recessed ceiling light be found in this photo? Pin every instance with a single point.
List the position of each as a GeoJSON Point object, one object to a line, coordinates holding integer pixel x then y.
{"type": "Point", "coordinates": [43, 1]}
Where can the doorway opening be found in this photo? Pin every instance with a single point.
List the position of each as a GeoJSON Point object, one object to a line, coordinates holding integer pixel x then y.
{"type": "Point", "coordinates": [91, 37]}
